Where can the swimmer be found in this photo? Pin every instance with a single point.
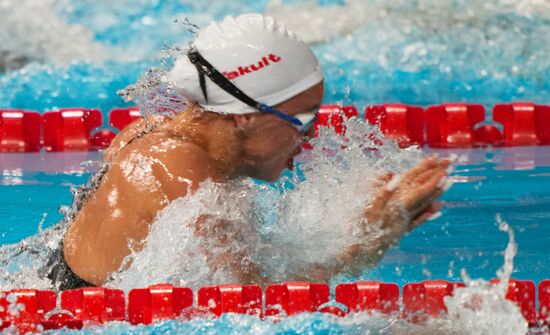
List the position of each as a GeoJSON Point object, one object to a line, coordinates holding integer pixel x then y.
{"type": "Point", "coordinates": [255, 90]}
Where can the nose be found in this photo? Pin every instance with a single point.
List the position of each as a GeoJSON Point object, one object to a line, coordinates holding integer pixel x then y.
{"type": "Point", "coordinates": [310, 133]}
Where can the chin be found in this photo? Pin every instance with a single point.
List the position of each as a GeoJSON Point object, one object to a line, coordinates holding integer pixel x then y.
{"type": "Point", "coordinates": [269, 176]}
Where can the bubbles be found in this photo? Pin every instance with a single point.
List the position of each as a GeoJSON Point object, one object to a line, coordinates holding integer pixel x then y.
{"type": "Point", "coordinates": [153, 92]}
{"type": "Point", "coordinates": [22, 262]}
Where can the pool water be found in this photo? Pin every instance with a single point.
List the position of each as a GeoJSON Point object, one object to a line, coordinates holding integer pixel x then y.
{"type": "Point", "coordinates": [417, 52]}
{"type": "Point", "coordinates": [39, 183]}
{"type": "Point", "coordinates": [514, 182]}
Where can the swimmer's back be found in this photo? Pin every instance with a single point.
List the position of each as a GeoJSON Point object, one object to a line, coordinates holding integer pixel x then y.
{"type": "Point", "coordinates": [145, 176]}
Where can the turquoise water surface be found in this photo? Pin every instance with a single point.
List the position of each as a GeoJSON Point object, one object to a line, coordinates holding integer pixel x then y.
{"type": "Point", "coordinates": [416, 52]}
{"type": "Point", "coordinates": [514, 182]}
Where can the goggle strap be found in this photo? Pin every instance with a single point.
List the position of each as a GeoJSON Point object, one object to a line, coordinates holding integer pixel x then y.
{"type": "Point", "coordinates": [204, 67]}
{"type": "Point", "coordinates": [202, 82]}
{"type": "Point", "coordinates": [268, 109]}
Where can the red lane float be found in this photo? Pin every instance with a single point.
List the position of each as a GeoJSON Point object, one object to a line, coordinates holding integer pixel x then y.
{"type": "Point", "coordinates": [524, 123]}
{"type": "Point", "coordinates": [242, 299]}
{"type": "Point", "coordinates": [333, 116]}
{"type": "Point", "coordinates": [522, 293]}
{"type": "Point", "coordinates": [544, 302]}
{"type": "Point", "coordinates": [295, 297]}
{"type": "Point", "coordinates": [426, 299]}
{"type": "Point", "coordinates": [19, 130]}
{"type": "Point", "coordinates": [121, 117]}
{"type": "Point", "coordinates": [69, 129]}
{"type": "Point", "coordinates": [25, 308]}
{"type": "Point", "coordinates": [399, 122]}
{"type": "Point", "coordinates": [157, 302]}
{"type": "Point", "coordinates": [102, 139]}
{"type": "Point", "coordinates": [95, 304]}
{"type": "Point", "coordinates": [369, 296]}
{"type": "Point", "coordinates": [486, 135]}
{"type": "Point", "coordinates": [452, 125]}
{"type": "Point", "coordinates": [29, 310]}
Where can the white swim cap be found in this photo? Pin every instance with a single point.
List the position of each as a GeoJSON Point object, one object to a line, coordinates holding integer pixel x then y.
{"type": "Point", "coordinates": [257, 54]}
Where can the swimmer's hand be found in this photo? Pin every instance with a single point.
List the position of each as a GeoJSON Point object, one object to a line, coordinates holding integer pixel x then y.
{"type": "Point", "coordinates": [401, 203]}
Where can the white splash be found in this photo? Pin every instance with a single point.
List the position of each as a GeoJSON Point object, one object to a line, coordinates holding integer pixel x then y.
{"type": "Point", "coordinates": [481, 307]}
{"type": "Point", "coordinates": [33, 30]}
{"type": "Point", "coordinates": [22, 264]}
{"type": "Point", "coordinates": [478, 308]}
{"type": "Point", "coordinates": [439, 36]}
{"type": "Point", "coordinates": [175, 253]}
{"type": "Point", "coordinates": [309, 21]}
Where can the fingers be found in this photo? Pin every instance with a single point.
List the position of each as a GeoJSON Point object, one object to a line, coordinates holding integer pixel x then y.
{"type": "Point", "coordinates": [424, 177]}
{"type": "Point", "coordinates": [381, 198]}
{"type": "Point", "coordinates": [383, 179]}
{"type": "Point", "coordinates": [425, 204]}
{"type": "Point", "coordinates": [424, 216]}
{"type": "Point", "coordinates": [386, 177]}
{"type": "Point", "coordinates": [415, 190]}
{"type": "Point", "coordinates": [444, 163]}
{"type": "Point", "coordinates": [425, 186]}
{"type": "Point", "coordinates": [414, 198]}
{"type": "Point", "coordinates": [425, 165]}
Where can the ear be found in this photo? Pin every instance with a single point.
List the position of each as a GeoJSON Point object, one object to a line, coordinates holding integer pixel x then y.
{"type": "Point", "coordinates": [240, 120]}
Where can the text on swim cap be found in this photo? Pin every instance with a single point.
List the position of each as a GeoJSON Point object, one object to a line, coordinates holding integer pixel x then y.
{"type": "Point", "coordinates": [243, 70]}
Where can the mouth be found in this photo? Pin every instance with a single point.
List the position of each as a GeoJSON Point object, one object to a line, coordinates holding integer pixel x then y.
{"type": "Point", "coordinates": [290, 164]}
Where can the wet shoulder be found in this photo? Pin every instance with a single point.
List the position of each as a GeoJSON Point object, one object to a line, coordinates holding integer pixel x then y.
{"type": "Point", "coordinates": [170, 159]}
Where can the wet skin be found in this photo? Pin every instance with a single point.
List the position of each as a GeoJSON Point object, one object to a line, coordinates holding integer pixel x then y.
{"type": "Point", "coordinates": [148, 173]}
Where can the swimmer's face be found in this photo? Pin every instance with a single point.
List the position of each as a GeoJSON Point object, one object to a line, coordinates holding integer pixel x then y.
{"type": "Point", "coordinates": [270, 142]}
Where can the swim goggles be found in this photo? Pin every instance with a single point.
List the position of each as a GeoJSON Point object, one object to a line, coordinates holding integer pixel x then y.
{"type": "Point", "coordinates": [303, 122]}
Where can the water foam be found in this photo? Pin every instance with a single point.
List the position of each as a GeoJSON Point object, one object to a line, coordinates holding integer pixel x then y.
{"type": "Point", "coordinates": [480, 307]}
{"type": "Point", "coordinates": [417, 52]}
{"type": "Point", "coordinates": [421, 52]}
{"type": "Point", "coordinates": [174, 253]}
{"type": "Point", "coordinates": [45, 37]}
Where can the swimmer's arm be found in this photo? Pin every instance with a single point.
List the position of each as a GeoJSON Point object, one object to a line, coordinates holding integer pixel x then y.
{"type": "Point", "coordinates": [393, 212]}
{"type": "Point", "coordinates": [398, 209]}
{"type": "Point", "coordinates": [128, 133]}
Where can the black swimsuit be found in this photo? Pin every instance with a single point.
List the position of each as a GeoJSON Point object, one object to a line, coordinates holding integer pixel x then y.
{"type": "Point", "coordinates": [61, 275]}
